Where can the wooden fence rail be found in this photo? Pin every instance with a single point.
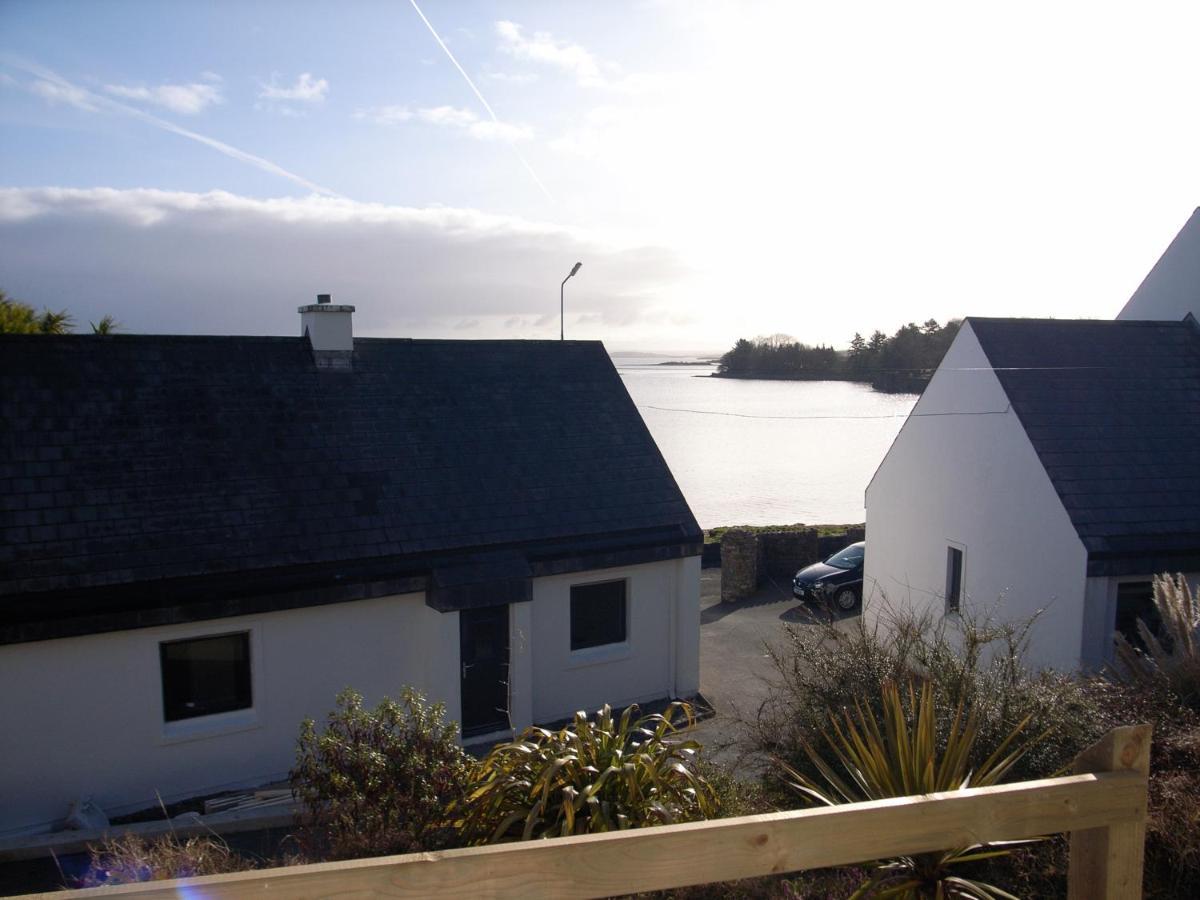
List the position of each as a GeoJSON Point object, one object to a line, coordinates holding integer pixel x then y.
{"type": "Point", "coordinates": [1103, 806]}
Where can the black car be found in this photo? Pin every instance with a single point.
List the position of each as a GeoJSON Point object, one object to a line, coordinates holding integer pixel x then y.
{"type": "Point", "coordinates": [838, 580]}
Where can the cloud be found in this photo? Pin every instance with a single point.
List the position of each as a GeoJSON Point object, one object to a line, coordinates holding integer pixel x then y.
{"type": "Point", "coordinates": [447, 115]}
{"type": "Point", "coordinates": [587, 69]}
{"type": "Point", "coordinates": [54, 88]}
{"type": "Point", "coordinates": [60, 92]}
{"type": "Point", "coordinates": [464, 120]}
{"type": "Point", "coordinates": [219, 263]}
{"type": "Point", "coordinates": [306, 90]}
{"type": "Point", "coordinates": [483, 100]}
{"type": "Point", "coordinates": [513, 77]}
{"type": "Point", "coordinates": [187, 99]}
{"type": "Point", "coordinates": [543, 48]}
{"type": "Point", "coordinates": [499, 131]}
{"type": "Point", "coordinates": [384, 115]}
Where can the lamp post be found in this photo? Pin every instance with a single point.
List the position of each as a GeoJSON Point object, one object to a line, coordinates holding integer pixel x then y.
{"type": "Point", "coordinates": [561, 288]}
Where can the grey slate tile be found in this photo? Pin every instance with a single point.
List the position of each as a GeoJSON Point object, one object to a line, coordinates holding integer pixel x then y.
{"type": "Point", "coordinates": [1113, 411]}
{"type": "Point", "coordinates": [183, 455]}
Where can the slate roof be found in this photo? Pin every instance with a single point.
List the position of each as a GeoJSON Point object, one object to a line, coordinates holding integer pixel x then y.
{"type": "Point", "coordinates": [157, 462]}
{"type": "Point", "coordinates": [1113, 411]}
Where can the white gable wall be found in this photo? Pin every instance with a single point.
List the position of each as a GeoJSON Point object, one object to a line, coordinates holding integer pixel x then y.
{"type": "Point", "coordinates": [962, 471]}
{"type": "Point", "coordinates": [1172, 289]}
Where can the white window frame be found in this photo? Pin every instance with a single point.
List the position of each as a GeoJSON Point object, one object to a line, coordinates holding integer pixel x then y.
{"type": "Point", "coordinates": [216, 724]}
{"type": "Point", "coordinates": [603, 653]}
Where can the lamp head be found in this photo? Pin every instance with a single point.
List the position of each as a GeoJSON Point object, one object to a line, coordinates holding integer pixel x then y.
{"type": "Point", "coordinates": [575, 269]}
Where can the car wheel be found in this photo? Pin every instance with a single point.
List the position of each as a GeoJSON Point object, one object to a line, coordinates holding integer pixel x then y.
{"type": "Point", "coordinates": [846, 599]}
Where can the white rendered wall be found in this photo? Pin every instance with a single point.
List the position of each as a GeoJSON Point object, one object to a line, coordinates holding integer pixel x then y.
{"type": "Point", "coordinates": [659, 659]}
{"type": "Point", "coordinates": [1101, 614]}
{"type": "Point", "coordinates": [973, 479]}
{"type": "Point", "coordinates": [84, 715]}
{"type": "Point", "coordinates": [687, 628]}
{"type": "Point", "coordinates": [1172, 288]}
{"type": "Point", "coordinates": [328, 327]}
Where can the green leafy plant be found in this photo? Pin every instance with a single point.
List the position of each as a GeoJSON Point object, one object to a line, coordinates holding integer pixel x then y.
{"type": "Point", "coordinates": [1172, 660]}
{"type": "Point", "coordinates": [904, 755]}
{"type": "Point", "coordinates": [596, 774]}
{"type": "Point", "coordinates": [973, 660]}
{"type": "Point", "coordinates": [379, 781]}
{"type": "Point", "coordinates": [106, 325]}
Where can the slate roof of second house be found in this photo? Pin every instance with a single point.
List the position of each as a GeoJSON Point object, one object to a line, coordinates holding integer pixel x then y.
{"type": "Point", "coordinates": [137, 464]}
{"type": "Point", "coordinates": [1113, 411]}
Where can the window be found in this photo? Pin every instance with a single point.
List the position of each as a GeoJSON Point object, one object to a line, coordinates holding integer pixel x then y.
{"type": "Point", "coordinates": [954, 578]}
{"type": "Point", "coordinates": [597, 614]}
{"type": "Point", "coordinates": [1135, 600]}
{"type": "Point", "coordinates": [207, 675]}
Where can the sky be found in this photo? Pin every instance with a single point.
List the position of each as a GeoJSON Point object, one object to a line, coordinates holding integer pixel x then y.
{"type": "Point", "coordinates": [722, 170]}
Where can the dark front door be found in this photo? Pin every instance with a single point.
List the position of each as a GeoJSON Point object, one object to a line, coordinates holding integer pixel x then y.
{"type": "Point", "coordinates": [483, 653]}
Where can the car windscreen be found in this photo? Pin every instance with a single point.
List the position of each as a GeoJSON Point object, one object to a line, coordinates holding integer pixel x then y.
{"type": "Point", "coordinates": [850, 558]}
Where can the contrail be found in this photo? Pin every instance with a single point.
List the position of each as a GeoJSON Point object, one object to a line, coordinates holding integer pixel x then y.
{"type": "Point", "coordinates": [486, 105]}
{"type": "Point", "coordinates": [100, 101]}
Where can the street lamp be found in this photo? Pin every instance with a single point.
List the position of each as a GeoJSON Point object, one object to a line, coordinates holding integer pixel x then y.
{"type": "Point", "coordinates": [561, 287]}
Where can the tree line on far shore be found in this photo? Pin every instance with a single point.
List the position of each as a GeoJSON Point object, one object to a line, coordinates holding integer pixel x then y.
{"type": "Point", "coordinates": [914, 350]}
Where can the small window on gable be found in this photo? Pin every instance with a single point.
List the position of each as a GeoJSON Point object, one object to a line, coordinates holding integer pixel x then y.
{"type": "Point", "coordinates": [954, 578]}
{"type": "Point", "coordinates": [598, 613]}
{"type": "Point", "coordinates": [204, 676]}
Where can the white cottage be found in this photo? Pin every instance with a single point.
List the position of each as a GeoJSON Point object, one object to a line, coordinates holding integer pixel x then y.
{"type": "Point", "coordinates": [206, 538]}
{"type": "Point", "coordinates": [1049, 465]}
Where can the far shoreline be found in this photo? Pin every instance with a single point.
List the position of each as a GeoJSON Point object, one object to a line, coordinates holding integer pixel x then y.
{"type": "Point", "coordinates": [885, 383]}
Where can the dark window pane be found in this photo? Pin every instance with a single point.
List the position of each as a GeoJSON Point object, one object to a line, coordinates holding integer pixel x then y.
{"type": "Point", "coordinates": [205, 675]}
{"type": "Point", "coordinates": [597, 614]}
{"type": "Point", "coordinates": [954, 567]}
{"type": "Point", "coordinates": [1135, 600]}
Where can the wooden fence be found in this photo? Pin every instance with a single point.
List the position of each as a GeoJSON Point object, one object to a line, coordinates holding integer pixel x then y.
{"type": "Point", "coordinates": [1103, 806]}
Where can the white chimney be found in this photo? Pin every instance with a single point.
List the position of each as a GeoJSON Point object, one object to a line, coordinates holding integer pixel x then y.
{"type": "Point", "coordinates": [329, 330]}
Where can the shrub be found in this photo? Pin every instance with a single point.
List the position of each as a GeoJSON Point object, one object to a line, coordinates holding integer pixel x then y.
{"type": "Point", "coordinates": [906, 755]}
{"type": "Point", "coordinates": [377, 782]}
{"type": "Point", "coordinates": [1173, 807]}
{"type": "Point", "coordinates": [131, 858]}
{"type": "Point", "coordinates": [735, 794]}
{"type": "Point", "coordinates": [1172, 662]}
{"type": "Point", "coordinates": [975, 663]}
{"type": "Point", "coordinates": [594, 775]}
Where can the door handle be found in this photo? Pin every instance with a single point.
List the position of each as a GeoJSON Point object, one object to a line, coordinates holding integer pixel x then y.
{"type": "Point", "coordinates": [466, 666]}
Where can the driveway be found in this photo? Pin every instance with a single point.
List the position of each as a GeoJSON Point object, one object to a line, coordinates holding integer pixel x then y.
{"type": "Point", "coordinates": [735, 670]}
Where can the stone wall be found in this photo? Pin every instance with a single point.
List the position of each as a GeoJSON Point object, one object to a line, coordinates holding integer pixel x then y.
{"type": "Point", "coordinates": [750, 559]}
{"type": "Point", "coordinates": [784, 553]}
{"type": "Point", "coordinates": [739, 565]}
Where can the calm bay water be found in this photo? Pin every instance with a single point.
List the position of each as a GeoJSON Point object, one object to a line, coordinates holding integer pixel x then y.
{"type": "Point", "coordinates": [765, 452]}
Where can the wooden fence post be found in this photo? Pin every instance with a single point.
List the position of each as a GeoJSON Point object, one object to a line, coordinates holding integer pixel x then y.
{"type": "Point", "coordinates": [1106, 863]}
